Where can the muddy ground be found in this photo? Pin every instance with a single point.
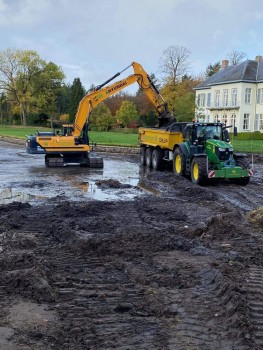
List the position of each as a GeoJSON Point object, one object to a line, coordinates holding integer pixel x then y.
{"type": "Point", "coordinates": [178, 266]}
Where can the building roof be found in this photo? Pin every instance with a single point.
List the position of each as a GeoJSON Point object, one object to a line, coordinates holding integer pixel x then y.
{"type": "Point", "coordinates": [248, 71]}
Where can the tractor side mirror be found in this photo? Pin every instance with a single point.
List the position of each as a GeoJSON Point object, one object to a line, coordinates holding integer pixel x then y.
{"type": "Point", "coordinates": [226, 135]}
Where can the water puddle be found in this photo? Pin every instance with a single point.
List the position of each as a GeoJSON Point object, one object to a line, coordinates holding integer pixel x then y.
{"type": "Point", "coordinates": [9, 196]}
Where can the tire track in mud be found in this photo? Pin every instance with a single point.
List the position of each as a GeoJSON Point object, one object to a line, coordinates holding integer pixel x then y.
{"type": "Point", "coordinates": [98, 304]}
{"type": "Point", "coordinates": [132, 276]}
{"type": "Point", "coordinates": [255, 302]}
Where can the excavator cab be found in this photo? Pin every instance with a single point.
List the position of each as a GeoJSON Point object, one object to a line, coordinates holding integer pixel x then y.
{"type": "Point", "coordinates": [67, 129]}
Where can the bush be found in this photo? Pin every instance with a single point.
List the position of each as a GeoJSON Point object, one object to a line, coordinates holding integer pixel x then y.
{"type": "Point", "coordinates": [245, 136]}
{"type": "Point", "coordinates": [39, 119]}
{"type": "Point", "coordinates": [125, 130]}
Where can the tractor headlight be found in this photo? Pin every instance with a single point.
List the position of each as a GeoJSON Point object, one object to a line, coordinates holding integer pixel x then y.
{"type": "Point", "coordinates": [230, 149]}
{"type": "Point", "coordinates": [222, 149]}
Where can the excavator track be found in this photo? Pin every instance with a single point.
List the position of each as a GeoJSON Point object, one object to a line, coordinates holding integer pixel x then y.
{"type": "Point", "coordinates": [96, 162]}
{"type": "Point", "coordinates": [90, 162]}
{"type": "Point", "coordinates": [54, 161]}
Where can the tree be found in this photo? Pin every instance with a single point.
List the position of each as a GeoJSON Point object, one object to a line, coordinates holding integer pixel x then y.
{"type": "Point", "coordinates": [3, 108]}
{"type": "Point", "coordinates": [235, 57]}
{"type": "Point", "coordinates": [175, 62]}
{"type": "Point", "coordinates": [63, 98]}
{"type": "Point", "coordinates": [212, 69]}
{"type": "Point", "coordinates": [23, 75]}
{"type": "Point", "coordinates": [114, 102]}
{"type": "Point", "coordinates": [127, 113]}
{"type": "Point", "coordinates": [181, 98]}
{"type": "Point", "coordinates": [76, 95]}
{"type": "Point", "coordinates": [102, 118]}
{"type": "Point", "coordinates": [150, 119]}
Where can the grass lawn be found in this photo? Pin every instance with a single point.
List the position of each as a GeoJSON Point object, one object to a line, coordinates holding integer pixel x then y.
{"type": "Point", "coordinates": [103, 138]}
{"type": "Point", "coordinates": [255, 146]}
{"type": "Point", "coordinates": [119, 139]}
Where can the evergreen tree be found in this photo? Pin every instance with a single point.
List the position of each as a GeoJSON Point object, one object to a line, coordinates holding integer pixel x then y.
{"type": "Point", "coordinates": [212, 69]}
{"type": "Point", "coordinates": [76, 95]}
{"type": "Point", "coordinates": [63, 99]}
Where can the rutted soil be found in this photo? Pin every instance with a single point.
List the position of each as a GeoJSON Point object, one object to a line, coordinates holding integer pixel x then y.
{"type": "Point", "coordinates": [180, 268]}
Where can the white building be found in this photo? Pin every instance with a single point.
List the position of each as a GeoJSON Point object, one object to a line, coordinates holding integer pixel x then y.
{"type": "Point", "coordinates": [233, 95]}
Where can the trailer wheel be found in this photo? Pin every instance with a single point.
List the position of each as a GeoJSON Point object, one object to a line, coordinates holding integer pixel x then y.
{"type": "Point", "coordinates": [157, 159]}
{"type": "Point", "coordinates": [149, 157]}
{"type": "Point", "coordinates": [199, 171]}
{"type": "Point", "coordinates": [143, 155]}
{"type": "Point", "coordinates": [179, 162]}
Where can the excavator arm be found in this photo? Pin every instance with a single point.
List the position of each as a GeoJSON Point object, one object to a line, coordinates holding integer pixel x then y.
{"type": "Point", "coordinates": [92, 99]}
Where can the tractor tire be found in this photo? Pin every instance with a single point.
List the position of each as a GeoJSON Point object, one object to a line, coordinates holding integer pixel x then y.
{"type": "Point", "coordinates": [149, 157]}
{"type": "Point", "coordinates": [243, 162]}
{"type": "Point", "coordinates": [157, 159]}
{"type": "Point", "coordinates": [143, 155]}
{"type": "Point", "coordinates": [199, 171]}
{"type": "Point", "coordinates": [179, 162]}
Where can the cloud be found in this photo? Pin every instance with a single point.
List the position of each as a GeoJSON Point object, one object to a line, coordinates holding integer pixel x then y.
{"type": "Point", "coordinates": [24, 12]}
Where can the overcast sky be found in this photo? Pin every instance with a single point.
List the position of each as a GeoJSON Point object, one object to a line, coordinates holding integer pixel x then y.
{"type": "Point", "coordinates": [94, 39]}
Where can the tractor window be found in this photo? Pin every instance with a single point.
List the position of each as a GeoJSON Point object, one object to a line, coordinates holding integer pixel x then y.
{"type": "Point", "coordinates": [188, 134]}
{"type": "Point", "coordinates": [209, 132]}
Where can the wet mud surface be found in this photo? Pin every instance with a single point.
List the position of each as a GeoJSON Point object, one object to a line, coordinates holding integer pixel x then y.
{"type": "Point", "coordinates": [173, 266]}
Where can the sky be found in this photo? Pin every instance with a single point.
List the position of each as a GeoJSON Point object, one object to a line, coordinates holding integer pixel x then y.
{"type": "Point", "coordinates": [94, 39]}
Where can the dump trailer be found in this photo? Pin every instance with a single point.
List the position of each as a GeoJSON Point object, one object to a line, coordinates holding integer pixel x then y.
{"type": "Point", "coordinates": [201, 151]}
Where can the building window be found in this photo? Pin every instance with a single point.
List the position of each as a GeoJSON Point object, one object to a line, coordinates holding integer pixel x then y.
{"type": "Point", "coordinates": [208, 99]}
{"type": "Point", "coordinates": [260, 96]}
{"type": "Point", "coordinates": [233, 121]}
{"type": "Point", "coordinates": [248, 95]}
{"type": "Point", "coordinates": [234, 97]}
{"type": "Point", "coordinates": [217, 98]}
{"type": "Point", "coordinates": [259, 122]}
{"type": "Point", "coordinates": [216, 118]}
{"type": "Point", "coordinates": [246, 122]}
{"type": "Point", "coordinates": [225, 97]}
{"type": "Point", "coordinates": [201, 100]}
{"type": "Point", "coordinates": [224, 119]}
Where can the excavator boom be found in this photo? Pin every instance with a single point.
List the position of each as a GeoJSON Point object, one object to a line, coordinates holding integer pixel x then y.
{"type": "Point", "coordinates": [92, 99]}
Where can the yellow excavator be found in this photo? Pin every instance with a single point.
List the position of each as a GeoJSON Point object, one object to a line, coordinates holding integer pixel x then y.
{"type": "Point", "coordinates": [72, 145]}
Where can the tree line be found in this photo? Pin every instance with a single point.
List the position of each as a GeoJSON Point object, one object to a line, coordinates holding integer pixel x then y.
{"type": "Point", "coordinates": [33, 92]}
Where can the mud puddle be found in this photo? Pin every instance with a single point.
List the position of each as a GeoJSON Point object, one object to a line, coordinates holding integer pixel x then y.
{"type": "Point", "coordinates": [25, 178]}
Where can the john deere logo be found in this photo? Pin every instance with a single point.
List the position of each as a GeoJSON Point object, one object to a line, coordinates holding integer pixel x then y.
{"type": "Point", "coordinates": [233, 171]}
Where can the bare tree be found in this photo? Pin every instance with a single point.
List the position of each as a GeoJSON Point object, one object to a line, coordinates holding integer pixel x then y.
{"type": "Point", "coordinates": [175, 63]}
{"type": "Point", "coordinates": [235, 57]}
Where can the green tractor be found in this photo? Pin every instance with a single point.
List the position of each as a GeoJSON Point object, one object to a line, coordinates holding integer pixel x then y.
{"type": "Point", "coordinates": [206, 153]}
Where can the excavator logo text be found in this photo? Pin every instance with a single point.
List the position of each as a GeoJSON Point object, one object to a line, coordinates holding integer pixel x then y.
{"type": "Point", "coordinates": [116, 87]}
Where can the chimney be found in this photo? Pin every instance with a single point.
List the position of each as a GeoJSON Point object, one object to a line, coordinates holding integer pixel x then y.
{"type": "Point", "coordinates": [225, 64]}
{"type": "Point", "coordinates": [258, 58]}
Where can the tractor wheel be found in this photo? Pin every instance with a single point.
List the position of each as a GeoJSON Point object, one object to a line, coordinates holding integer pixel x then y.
{"type": "Point", "coordinates": [157, 159]}
{"type": "Point", "coordinates": [243, 162]}
{"type": "Point", "coordinates": [143, 155]}
{"type": "Point", "coordinates": [149, 157]}
{"type": "Point", "coordinates": [199, 171]}
{"type": "Point", "coordinates": [179, 162]}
